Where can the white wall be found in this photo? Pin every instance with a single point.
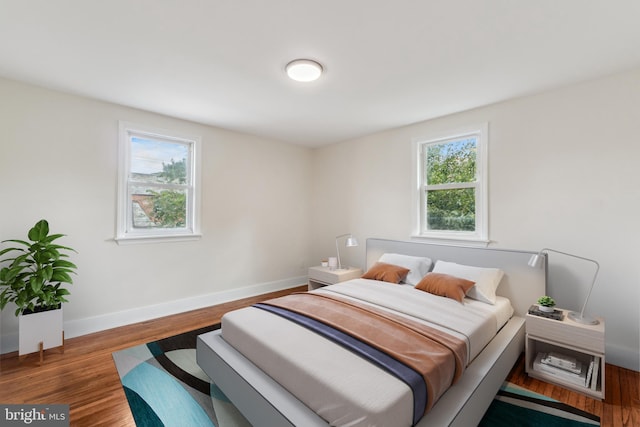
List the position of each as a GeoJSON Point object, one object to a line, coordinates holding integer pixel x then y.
{"type": "Point", "coordinates": [58, 160]}
{"type": "Point", "coordinates": [563, 174]}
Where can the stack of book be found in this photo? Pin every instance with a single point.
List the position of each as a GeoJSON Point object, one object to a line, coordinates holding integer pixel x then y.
{"type": "Point", "coordinates": [555, 314]}
{"type": "Point", "coordinates": [568, 369]}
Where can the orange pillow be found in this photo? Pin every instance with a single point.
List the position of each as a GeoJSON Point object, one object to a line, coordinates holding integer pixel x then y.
{"type": "Point", "coordinates": [445, 285]}
{"type": "Point", "coordinates": [386, 272]}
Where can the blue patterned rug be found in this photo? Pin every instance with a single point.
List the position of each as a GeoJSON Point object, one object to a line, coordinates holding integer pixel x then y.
{"type": "Point", "coordinates": [165, 387]}
{"type": "Point", "coordinates": [517, 406]}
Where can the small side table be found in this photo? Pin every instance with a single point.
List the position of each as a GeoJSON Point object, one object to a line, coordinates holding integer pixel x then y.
{"type": "Point", "coordinates": [584, 343]}
{"type": "Point", "coordinates": [323, 276]}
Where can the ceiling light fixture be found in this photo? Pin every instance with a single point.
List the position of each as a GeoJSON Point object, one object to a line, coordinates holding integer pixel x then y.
{"type": "Point", "coordinates": [303, 70]}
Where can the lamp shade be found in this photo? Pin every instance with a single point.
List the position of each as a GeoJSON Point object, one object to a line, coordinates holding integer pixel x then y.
{"type": "Point", "coordinates": [351, 242]}
{"type": "Point", "coordinates": [535, 260]}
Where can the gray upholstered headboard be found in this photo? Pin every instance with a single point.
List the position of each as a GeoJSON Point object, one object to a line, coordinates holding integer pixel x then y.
{"type": "Point", "coordinates": [521, 283]}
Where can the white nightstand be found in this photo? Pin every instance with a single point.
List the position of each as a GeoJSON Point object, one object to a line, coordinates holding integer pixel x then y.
{"type": "Point", "coordinates": [323, 276]}
{"type": "Point", "coordinates": [584, 343]}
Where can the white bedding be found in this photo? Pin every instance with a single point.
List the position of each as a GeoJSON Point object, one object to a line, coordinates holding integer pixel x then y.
{"type": "Point", "coordinates": [339, 386]}
{"type": "Point", "coordinates": [474, 321]}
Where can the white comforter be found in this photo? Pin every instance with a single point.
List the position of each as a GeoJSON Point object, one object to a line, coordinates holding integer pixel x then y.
{"type": "Point", "coordinates": [338, 385]}
{"type": "Point", "coordinates": [473, 321]}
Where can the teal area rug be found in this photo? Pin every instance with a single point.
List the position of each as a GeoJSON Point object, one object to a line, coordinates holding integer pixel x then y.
{"type": "Point", "coordinates": [165, 387]}
{"type": "Point", "coordinates": [517, 406]}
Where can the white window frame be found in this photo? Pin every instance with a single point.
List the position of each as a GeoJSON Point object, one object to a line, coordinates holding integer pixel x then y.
{"type": "Point", "coordinates": [479, 237]}
{"type": "Point", "coordinates": [125, 232]}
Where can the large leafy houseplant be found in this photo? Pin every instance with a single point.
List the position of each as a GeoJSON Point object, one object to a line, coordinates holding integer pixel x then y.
{"type": "Point", "coordinates": [34, 273]}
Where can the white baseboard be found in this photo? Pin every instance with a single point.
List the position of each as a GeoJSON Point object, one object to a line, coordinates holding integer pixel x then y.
{"type": "Point", "coordinates": [88, 325]}
{"type": "Point", "coordinates": [626, 357]}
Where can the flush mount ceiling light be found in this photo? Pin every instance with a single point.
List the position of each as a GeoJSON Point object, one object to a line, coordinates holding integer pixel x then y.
{"type": "Point", "coordinates": [303, 70]}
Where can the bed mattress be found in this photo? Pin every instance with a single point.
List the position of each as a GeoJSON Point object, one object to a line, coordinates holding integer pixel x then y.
{"type": "Point", "coordinates": [338, 385]}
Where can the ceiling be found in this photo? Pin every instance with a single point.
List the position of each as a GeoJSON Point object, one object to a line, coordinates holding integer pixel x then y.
{"type": "Point", "coordinates": [387, 63]}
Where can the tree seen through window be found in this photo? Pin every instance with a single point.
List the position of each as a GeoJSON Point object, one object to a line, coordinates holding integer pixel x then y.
{"type": "Point", "coordinates": [450, 168]}
{"type": "Point", "coordinates": [159, 183]}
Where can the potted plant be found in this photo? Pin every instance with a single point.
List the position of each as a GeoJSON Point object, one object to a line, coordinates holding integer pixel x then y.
{"type": "Point", "coordinates": [546, 303]}
{"type": "Point", "coordinates": [32, 277]}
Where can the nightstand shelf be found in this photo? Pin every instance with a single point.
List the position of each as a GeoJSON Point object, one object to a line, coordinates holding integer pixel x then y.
{"type": "Point", "coordinates": [583, 343]}
{"type": "Point", "coordinates": [324, 276]}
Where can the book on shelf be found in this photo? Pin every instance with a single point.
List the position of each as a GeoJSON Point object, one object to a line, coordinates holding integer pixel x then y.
{"type": "Point", "coordinates": [563, 361]}
{"type": "Point", "coordinates": [589, 373]}
{"type": "Point", "coordinates": [595, 361]}
{"type": "Point", "coordinates": [578, 379]}
{"type": "Point", "coordinates": [582, 374]}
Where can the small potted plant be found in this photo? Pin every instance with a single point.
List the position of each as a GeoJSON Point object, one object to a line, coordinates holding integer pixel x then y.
{"type": "Point", "coordinates": [546, 303]}
{"type": "Point", "coordinates": [32, 278]}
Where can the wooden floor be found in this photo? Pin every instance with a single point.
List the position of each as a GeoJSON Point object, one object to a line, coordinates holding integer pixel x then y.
{"type": "Point", "coordinates": [85, 377]}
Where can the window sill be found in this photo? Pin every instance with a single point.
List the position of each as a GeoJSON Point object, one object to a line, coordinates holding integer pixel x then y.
{"type": "Point", "coordinates": [452, 240]}
{"type": "Point", "coordinates": [132, 240]}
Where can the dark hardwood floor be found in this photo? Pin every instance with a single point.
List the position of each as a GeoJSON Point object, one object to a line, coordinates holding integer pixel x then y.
{"type": "Point", "coordinates": [85, 377]}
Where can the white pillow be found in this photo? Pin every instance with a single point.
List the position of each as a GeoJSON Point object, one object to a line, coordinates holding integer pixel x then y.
{"type": "Point", "coordinates": [418, 266]}
{"type": "Point", "coordinates": [487, 279]}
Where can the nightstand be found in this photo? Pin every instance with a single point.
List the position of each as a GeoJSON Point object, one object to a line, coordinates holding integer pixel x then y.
{"type": "Point", "coordinates": [573, 341]}
{"type": "Point", "coordinates": [323, 276]}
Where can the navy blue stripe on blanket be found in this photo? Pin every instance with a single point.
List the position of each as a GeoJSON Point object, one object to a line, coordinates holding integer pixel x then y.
{"type": "Point", "coordinates": [401, 371]}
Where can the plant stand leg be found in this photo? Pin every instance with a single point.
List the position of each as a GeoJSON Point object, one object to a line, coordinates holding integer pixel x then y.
{"type": "Point", "coordinates": [62, 342]}
{"type": "Point", "coordinates": [41, 350]}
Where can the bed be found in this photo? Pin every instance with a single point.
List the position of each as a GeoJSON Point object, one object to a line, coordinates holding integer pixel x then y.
{"type": "Point", "coordinates": [245, 369]}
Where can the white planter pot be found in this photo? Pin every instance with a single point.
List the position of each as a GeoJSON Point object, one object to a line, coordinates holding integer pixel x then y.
{"type": "Point", "coordinates": [547, 309]}
{"type": "Point", "coordinates": [36, 328]}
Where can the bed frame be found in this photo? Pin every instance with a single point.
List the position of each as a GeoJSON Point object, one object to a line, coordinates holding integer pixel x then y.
{"type": "Point", "coordinates": [265, 403]}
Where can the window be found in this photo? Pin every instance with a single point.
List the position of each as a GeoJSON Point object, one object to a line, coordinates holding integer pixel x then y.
{"type": "Point", "coordinates": [158, 185]}
{"type": "Point", "coordinates": [451, 196]}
